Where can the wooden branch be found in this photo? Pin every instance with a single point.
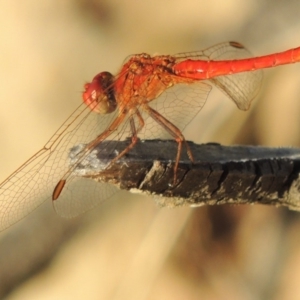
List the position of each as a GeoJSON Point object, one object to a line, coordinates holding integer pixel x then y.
{"type": "Point", "coordinates": [238, 174]}
{"type": "Point", "coordinates": [220, 174]}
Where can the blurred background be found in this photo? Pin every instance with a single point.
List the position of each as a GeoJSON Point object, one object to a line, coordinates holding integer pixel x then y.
{"type": "Point", "coordinates": [128, 248]}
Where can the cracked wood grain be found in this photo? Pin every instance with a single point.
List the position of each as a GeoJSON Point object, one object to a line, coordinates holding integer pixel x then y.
{"type": "Point", "coordinates": [220, 174]}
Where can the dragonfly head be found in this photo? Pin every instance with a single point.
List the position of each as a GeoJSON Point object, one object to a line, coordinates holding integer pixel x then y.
{"type": "Point", "coordinates": [99, 94]}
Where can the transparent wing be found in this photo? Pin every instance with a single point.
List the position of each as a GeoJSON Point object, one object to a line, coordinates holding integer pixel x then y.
{"type": "Point", "coordinates": [34, 181]}
{"type": "Point", "coordinates": [241, 87]}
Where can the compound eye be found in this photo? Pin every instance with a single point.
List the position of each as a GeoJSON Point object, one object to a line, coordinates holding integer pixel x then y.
{"type": "Point", "coordinates": [99, 94]}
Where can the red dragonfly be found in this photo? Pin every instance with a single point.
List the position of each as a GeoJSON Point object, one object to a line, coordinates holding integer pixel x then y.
{"type": "Point", "coordinates": [149, 96]}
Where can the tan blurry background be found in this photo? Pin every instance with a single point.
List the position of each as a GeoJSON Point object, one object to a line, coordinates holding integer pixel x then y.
{"type": "Point", "coordinates": [128, 248]}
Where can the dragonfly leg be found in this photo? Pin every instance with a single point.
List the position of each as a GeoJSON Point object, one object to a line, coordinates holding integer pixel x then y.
{"type": "Point", "coordinates": [173, 131]}
{"type": "Point", "coordinates": [134, 137]}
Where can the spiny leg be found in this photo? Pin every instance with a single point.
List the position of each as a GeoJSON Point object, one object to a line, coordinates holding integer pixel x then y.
{"type": "Point", "coordinates": [173, 131]}
{"type": "Point", "coordinates": [134, 137]}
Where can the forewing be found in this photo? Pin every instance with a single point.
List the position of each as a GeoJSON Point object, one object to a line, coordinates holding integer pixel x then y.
{"type": "Point", "coordinates": [35, 180]}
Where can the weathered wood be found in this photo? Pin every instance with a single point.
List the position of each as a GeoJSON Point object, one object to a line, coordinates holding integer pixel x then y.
{"type": "Point", "coordinates": [219, 175]}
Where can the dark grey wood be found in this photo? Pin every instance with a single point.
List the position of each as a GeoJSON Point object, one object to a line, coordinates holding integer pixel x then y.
{"type": "Point", "coordinates": [219, 174]}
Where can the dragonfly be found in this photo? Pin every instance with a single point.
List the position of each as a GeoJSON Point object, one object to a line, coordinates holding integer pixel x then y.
{"type": "Point", "coordinates": [150, 97]}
